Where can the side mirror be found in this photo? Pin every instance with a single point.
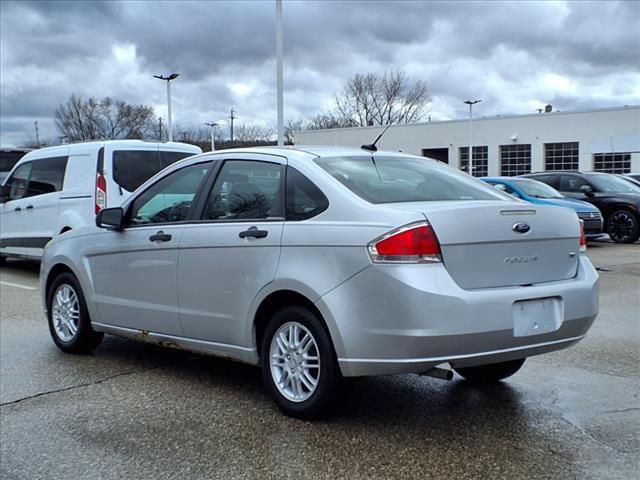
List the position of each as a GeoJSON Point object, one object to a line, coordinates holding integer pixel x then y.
{"type": "Point", "coordinates": [110, 218]}
{"type": "Point", "coordinates": [587, 190]}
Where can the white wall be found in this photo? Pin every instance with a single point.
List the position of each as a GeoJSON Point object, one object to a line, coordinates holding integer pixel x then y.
{"type": "Point", "coordinates": [597, 131]}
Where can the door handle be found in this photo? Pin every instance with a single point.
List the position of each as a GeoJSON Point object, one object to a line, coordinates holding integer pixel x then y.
{"type": "Point", "coordinates": [160, 237]}
{"type": "Point", "coordinates": [253, 232]}
{"type": "Point", "coordinates": [17, 209]}
{"type": "Point", "coordinates": [29, 207]}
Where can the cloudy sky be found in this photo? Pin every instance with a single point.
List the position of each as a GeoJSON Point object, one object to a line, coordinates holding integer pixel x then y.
{"type": "Point", "coordinates": [515, 56]}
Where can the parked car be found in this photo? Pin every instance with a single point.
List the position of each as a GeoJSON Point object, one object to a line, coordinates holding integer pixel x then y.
{"type": "Point", "coordinates": [9, 156]}
{"type": "Point", "coordinates": [56, 189]}
{"type": "Point", "coordinates": [635, 176]}
{"type": "Point", "coordinates": [630, 178]}
{"type": "Point", "coordinates": [618, 200]}
{"type": "Point", "coordinates": [533, 191]}
{"type": "Point", "coordinates": [323, 263]}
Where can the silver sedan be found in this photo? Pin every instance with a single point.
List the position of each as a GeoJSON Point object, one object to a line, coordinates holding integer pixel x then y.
{"type": "Point", "coordinates": [325, 263]}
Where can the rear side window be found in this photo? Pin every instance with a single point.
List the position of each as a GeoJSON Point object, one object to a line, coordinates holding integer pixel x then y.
{"type": "Point", "coordinates": [131, 168]}
{"type": "Point", "coordinates": [245, 190]}
{"type": "Point", "coordinates": [303, 199]}
{"type": "Point", "coordinates": [405, 179]}
{"type": "Point", "coordinates": [551, 180]}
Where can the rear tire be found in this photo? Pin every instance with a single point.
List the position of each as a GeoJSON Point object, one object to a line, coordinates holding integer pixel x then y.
{"type": "Point", "coordinates": [299, 367]}
{"type": "Point", "coordinates": [69, 322]}
{"type": "Point", "coordinates": [492, 373]}
{"type": "Point", "coordinates": [623, 226]}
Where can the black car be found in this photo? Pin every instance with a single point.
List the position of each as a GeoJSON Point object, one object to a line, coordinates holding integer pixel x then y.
{"type": "Point", "coordinates": [617, 199]}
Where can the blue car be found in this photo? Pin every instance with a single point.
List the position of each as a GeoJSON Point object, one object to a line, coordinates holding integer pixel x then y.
{"type": "Point", "coordinates": [540, 193]}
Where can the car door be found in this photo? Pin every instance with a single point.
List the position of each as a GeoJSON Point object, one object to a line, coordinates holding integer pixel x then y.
{"type": "Point", "coordinates": [40, 215]}
{"type": "Point", "coordinates": [14, 190]}
{"type": "Point", "coordinates": [134, 274]}
{"type": "Point", "coordinates": [233, 252]}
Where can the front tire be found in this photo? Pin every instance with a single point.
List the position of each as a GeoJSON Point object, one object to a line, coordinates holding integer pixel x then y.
{"type": "Point", "coordinates": [492, 373]}
{"type": "Point", "coordinates": [623, 227]}
{"type": "Point", "coordinates": [298, 363]}
{"type": "Point", "coordinates": [69, 322]}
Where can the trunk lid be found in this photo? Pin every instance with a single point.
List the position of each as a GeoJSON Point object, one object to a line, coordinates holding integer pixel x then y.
{"type": "Point", "coordinates": [482, 247]}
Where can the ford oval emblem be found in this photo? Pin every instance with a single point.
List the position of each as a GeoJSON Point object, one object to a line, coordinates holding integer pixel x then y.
{"type": "Point", "coordinates": [521, 227]}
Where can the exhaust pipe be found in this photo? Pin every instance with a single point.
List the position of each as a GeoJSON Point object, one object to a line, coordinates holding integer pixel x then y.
{"type": "Point", "coordinates": [437, 372]}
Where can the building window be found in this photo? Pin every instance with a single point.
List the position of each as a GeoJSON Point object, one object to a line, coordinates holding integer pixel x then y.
{"type": "Point", "coordinates": [515, 159]}
{"type": "Point", "coordinates": [612, 162]}
{"type": "Point", "coordinates": [561, 156]}
{"type": "Point", "coordinates": [480, 160]}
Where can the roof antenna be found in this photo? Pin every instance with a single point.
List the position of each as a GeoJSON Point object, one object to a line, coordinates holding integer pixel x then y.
{"type": "Point", "coordinates": [372, 147]}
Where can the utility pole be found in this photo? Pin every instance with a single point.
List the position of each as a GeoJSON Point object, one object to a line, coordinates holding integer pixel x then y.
{"type": "Point", "coordinates": [160, 128]}
{"type": "Point", "coordinates": [37, 134]}
{"type": "Point", "coordinates": [471, 103]}
{"type": "Point", "coordinates": [279, 55]}
{"type": "Point", "coordinates": [212, 125]}
{"type": "Point", "coordinates": [232, 118]}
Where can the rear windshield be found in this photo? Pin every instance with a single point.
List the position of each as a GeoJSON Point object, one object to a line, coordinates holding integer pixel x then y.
{"type": "Point", "coordinates": [405, 179]}
{"type": "Point", "coordinates": [131, 168]}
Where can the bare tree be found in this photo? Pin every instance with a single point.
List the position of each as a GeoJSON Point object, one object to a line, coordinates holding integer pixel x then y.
{"type": "Point", "coordinates": [374, 99]}
{"type": "Point", "coordinates": [79, 119]}
{"type": "Point", "coordinates": [253, 133]}
{"type": "Point", "coordinates": [290, 129]}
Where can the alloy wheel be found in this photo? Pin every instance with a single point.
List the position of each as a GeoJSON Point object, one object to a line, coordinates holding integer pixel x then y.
{"type": "Point", "coordinates": [621, 226]}
{"type": "Point", "coordinates": [65, 312]}
{"type": "Point", "coordinates": [295, 362]}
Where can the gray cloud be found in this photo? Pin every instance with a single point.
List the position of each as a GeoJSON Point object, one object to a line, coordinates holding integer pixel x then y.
{"type": "Point", "coordinates": [514, 55]}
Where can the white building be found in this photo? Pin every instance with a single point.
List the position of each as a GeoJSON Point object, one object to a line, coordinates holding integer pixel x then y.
{"type": "Point", "coordinates": [606, 139]}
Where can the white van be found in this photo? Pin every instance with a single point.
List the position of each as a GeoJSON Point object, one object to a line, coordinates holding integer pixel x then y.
{"type": "Point", "coordinates": [55, 189]}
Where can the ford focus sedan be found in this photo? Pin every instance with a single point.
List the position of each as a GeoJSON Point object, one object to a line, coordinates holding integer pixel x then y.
{"type": "Point", "coordinates": [324, 263]}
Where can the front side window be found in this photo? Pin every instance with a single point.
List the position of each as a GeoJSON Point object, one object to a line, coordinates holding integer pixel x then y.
{"type": "Point", "coordinates": [572, 183]}
{"type": "Point", "coordinates": [18, 182]}
{"type": "Point", "coordinates": [47, 176]}
{"type": "Point", "coordinates": [169, 200]}
{"type": "Point", "coordinates": [131, 168]}
{"type": "Point", "coordinates": [245, 190]}
{"type": "Point", "coordinates": [404, 179]}
{"type": "Point", "coordinates": [304, 199]}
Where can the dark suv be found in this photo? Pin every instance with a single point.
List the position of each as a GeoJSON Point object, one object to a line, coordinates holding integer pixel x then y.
{"type": "Point", "coordinates": [617, 199]}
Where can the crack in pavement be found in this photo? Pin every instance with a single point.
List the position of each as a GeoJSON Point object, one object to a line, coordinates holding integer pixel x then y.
{"type": "Point", "coordinates": [82, 385]}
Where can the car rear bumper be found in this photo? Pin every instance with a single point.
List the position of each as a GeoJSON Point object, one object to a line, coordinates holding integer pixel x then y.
{"type": "Point", "coordinates": [408, 318]}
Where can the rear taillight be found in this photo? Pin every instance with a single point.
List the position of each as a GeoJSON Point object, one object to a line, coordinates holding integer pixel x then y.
{"type": "Point", "coordinates": [583, 238]}
{"type": "Point", "coordinates": [101, 192]}
{"type": "Point", "coordinates": [415, 243]}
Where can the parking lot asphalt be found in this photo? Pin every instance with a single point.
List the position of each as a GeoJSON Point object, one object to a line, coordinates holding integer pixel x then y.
{"type": "Point", "coordinates": [137, 411]}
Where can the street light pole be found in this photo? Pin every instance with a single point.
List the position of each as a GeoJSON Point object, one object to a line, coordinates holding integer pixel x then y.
{"type": "Point", "coordinates": [471, 103]}
{"type": "Point", "coordinates": [168, 79]}
{"type": "Point", "coordinates": [212, 125]}
{"type": "Point", "coordinates": [279, 54]}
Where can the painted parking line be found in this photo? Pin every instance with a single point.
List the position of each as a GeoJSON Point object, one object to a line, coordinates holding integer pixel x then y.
{"type": "Point", "coordinates": [17, 285]}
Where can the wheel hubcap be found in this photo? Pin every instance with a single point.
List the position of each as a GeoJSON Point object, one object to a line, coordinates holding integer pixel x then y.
{"type": "Point", "coordinates": [65, 312]}
{"type": "Point", "coordinates": [295, 362]}
{"type": "Point", "coordinates": [621, 226]}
